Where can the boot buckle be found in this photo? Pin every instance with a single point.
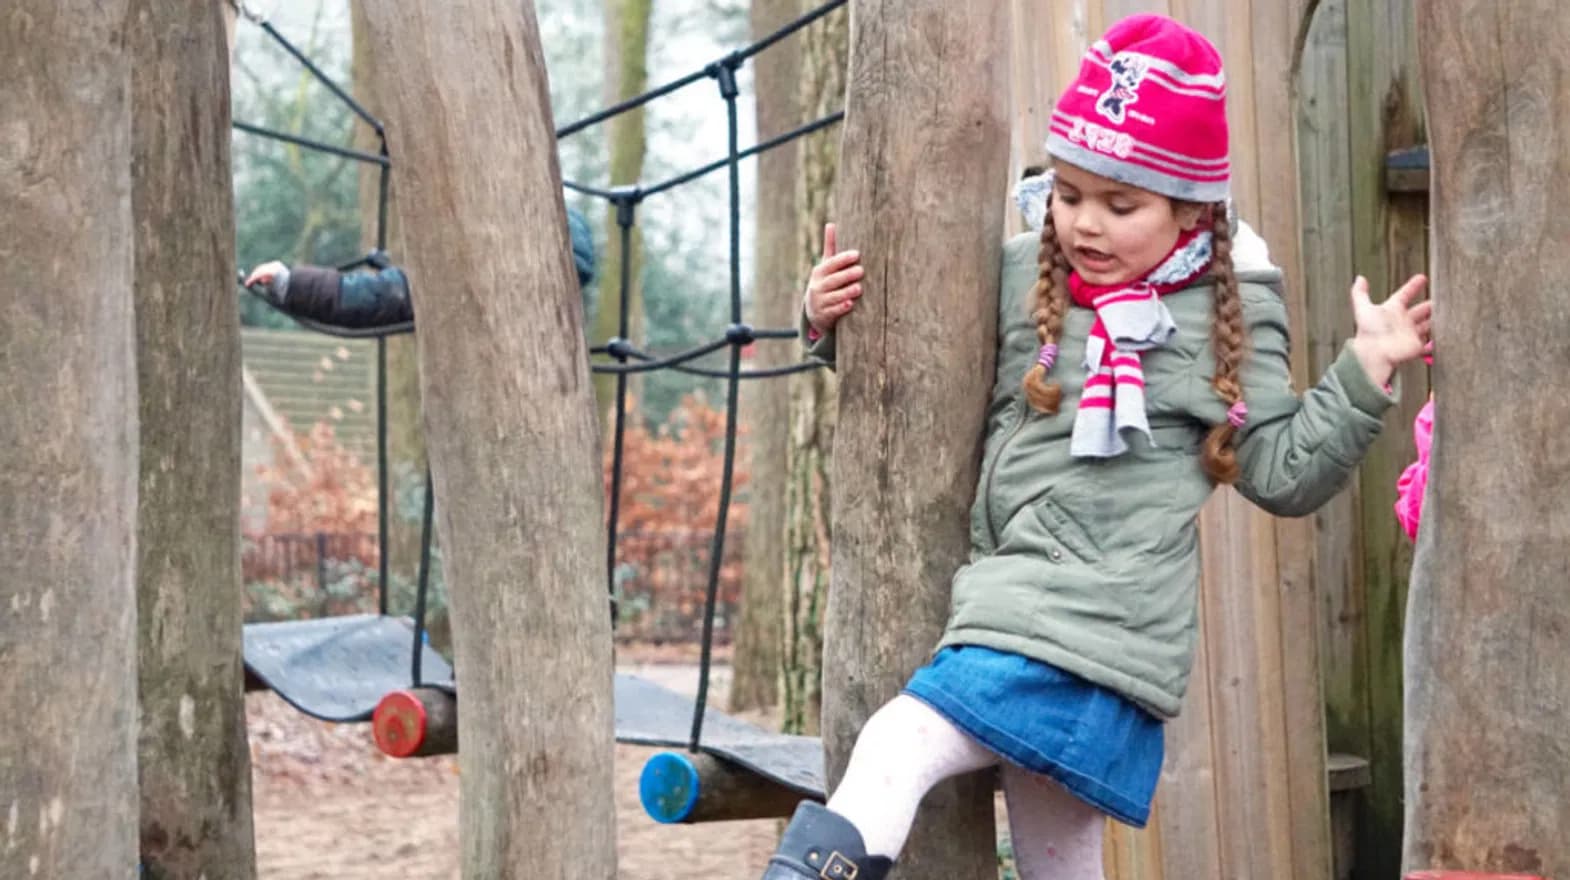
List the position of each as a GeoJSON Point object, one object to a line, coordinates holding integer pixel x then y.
{"type": "Point", "coordinates": [838, 868]}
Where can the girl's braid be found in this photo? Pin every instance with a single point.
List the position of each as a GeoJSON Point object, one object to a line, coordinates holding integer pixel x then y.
{"type": "Point", "coordinates": [1229, 339]}
{"type": "Point", "coordinates": [1050, 304]}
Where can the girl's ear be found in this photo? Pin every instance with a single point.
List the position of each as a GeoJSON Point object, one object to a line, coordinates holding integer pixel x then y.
{"type": "Point", "coordinates": [1189, 214]}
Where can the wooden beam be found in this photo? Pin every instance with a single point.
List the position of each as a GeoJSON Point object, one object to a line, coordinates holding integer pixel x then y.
{"type": "Point", "coordinates": [193, 760]}
{"type": "Point", "coordinates": [923, 177]}
{"type": "Point", "coordinates": [1406, 170]}
{"type": "Point", "coordinates": [680, 787]}
{"type": "Point", "coordinates": [513, 443]}
{"type": "Point", "coordinates": [68, 435]}
{"type": "Point", "coordinates": [1487, 676]}
{"type": "Point", "coordinates": [416, 723]}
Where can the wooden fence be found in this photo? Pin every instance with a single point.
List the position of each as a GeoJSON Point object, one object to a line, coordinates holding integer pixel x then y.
{"type": "Point", "coordinates": [1300, 619]}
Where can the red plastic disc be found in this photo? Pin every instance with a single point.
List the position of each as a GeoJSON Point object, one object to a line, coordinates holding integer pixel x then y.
{"type": "Point", "coordinates": [398, 724]}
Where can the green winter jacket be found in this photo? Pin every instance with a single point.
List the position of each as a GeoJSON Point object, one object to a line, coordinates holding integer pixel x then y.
{"type": "Point", "coordinates": [1092, 565]}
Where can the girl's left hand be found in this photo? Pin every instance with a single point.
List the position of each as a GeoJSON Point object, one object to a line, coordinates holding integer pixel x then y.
{"type": "Point", "coordinates": [1393, 332]}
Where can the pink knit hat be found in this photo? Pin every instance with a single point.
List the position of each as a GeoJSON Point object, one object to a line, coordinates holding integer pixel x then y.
{"type": "Point", "coordinates": [1148, 109]}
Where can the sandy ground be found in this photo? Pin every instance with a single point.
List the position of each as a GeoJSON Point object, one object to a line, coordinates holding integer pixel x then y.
{"type": "Point", "coordinates": [328, 805]}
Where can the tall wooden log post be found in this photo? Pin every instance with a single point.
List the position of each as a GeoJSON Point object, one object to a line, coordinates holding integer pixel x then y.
{"type": "Point", "coordinates": [511, 433]}
{"type": "Point", "coordinates": [195, 764]}
{"type": "Point", "coordinates": [760, 634]}
{"type": "Point", "coordinates": [67, 443]}
{"type": "Point", "coordinates": [1488, 676]}
{"type": "Point", "coordinates": [923, 172]}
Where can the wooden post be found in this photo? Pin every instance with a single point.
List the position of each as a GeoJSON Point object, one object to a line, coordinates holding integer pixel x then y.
{"type": "Point", "coordinates": [194, 760]}
{"type": "Point", "coordinates": [67, 443]}
{"type": "Point", "coordinates": [510, 430]}
{"type": "Point", "coordinates": [694, 788]}
{"type": "Point", "coordinates": [814, 400]}
{"type": "Point", "coordinates": [760, 632]}
{"type": "Point", "coordinates": [924, 171]}
{"type": "Point", "coordinates": [1488, 679]}
{"type": "Point", "coordinates": [416, 723]}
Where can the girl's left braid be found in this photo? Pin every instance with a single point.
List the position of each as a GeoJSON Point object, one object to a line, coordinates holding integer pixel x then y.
{"type": "Point", "coordinates": [1229, 339]}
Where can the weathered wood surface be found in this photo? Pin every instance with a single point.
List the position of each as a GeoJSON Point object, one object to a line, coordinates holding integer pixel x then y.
{"type": "Point", "coordinates": [923, 166]}
{"type": "Point", "coordinates": [1358, 100]}
{"type": "Point", "coordinates": [728, 793]}
{"type": "Point", "coordinates": [814, 396]}
{"type": "Point", "coordinates": [68, 462]}
{"type": "Point", "coordinates": [760, 635]}
{"type": "Point", "coordinates": [194, 761]}
{"type": "Point", "coordinates": [1488, 683]}
{"type": "Point", "coordinates": [511, 434]}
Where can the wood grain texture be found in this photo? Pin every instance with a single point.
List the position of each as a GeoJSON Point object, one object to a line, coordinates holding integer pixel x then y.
{"type": "Point", "coordinates": [193, 758]}
{"type": "Point", "coordinates": [1488, 684]}
{"type": "Point", "coordinates": [511, 433]}
{"type": "Point", "coordinates": [765, 404]}
{"type": "Point", "coordinates": [923, 167]}
{"type": "Point", "coordinates": [68, 441]}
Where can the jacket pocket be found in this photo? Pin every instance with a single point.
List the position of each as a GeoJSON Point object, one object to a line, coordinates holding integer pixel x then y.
{"type": "Point", "coordinates": [1062, 528]}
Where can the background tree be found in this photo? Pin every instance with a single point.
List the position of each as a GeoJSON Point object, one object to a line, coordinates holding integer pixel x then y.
{"type": "Point", "coordinates": [1486, 702]}
{"type": "Point", "coordinates": [193, 758]}
{"type": "Point", "coordinates": [627, 75]}
{"type": "Point", "coordinates": [814, 401]}
{"type": "Point", "coordinates": [766, 404]}
{"type": "Point", "coordinates": [532, 636]}
{"type": "Point", "coordinates": [405, 439]}
{"type": "Point", "coordinates": [927, 112]}
{"type": "Point", "coordinates": [68, 461]}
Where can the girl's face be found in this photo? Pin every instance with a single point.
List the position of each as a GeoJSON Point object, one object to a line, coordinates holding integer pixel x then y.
{"type": "Point", "coordinates": [1113, 233]}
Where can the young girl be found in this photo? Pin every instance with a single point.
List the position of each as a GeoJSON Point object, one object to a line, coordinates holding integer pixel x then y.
{"type": "Point", "coordinates": [1142, 360]}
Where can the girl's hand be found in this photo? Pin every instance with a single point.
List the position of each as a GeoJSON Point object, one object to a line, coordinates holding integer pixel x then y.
{"type": "Point", "coordinates": [1393, 332]}
{"type": "Point", "coordinates": [264, 274]}
{"type": "Point", "coordinates": [834, 285]}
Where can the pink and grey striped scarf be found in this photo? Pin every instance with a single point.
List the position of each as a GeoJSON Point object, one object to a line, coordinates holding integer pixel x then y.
{"type": "Point", "coordinates": [1130, 318]}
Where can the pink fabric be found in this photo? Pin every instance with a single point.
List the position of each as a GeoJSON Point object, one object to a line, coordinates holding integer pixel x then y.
{"type": "Point", "coordinates": [1414, 480]}
{"type": "Point", "coordinates": [1150, 97]}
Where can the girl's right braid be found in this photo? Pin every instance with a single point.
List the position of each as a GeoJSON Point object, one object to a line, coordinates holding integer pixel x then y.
{"type": "Point", "coordinates": [1228, 338]}
{"type": "Point", "coordinates": [1051, 303]}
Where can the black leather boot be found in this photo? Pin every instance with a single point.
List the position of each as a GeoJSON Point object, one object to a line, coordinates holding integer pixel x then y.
{"type": "Point", "coordinates": [820, 845]}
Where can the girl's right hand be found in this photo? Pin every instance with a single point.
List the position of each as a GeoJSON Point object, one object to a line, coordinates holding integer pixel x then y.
{"type": "Point", "coordinates": [834, 285]}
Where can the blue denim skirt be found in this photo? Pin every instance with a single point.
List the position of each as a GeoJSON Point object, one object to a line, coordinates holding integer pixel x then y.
{"type": "Point", "coordinates": [1103, 748]}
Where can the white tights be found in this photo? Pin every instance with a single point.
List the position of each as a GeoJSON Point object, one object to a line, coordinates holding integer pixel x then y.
{"type": "Point", "coordinates": [906, 748]}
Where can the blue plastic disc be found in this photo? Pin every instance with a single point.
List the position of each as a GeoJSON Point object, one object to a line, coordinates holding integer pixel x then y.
{"type": "Point", "coordinates": [668, 787]}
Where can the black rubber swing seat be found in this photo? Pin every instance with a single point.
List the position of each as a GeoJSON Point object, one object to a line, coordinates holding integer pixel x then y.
{"type": "Point", "coordinates": [339, 668]}
{"type": "Point", "coordinates": [650, 715]}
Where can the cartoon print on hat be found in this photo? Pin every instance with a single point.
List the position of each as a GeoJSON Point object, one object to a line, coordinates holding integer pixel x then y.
{"type": "Point", "coordinates": [1128, 71]}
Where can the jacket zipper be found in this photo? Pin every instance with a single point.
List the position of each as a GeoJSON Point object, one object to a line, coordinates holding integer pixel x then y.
{"type": "Point", "coordinates": [1023, 415]}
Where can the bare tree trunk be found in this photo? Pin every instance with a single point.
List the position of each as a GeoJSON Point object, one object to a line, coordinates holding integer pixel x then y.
{"type": "Point", "coordinates": [814, 400]}
{"type": "Point", "coordinates": [927, 113]}
{"type": "Point", "coordinates": [766, 403]}
{"type": "Point", "coordinates": [405, 439]}
{"type": "Point", "coordinates": [67, 443]}
{"type": "Point", "coordinates": [1488, 679]}
{"type": "Point", "coordinates": [505, 383]}
{"type": "Point", "coordinates": [627, 76]}
{"type": "Point", "coordinates": [193, 756]}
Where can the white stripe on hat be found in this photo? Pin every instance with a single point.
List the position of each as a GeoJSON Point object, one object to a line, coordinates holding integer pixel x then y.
{"type": "Point", "coordinates": [1209, 169]}
{"type": "Point", "coordinates": [1197, 84]}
